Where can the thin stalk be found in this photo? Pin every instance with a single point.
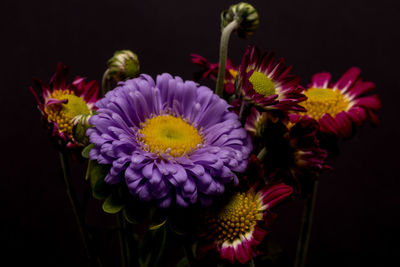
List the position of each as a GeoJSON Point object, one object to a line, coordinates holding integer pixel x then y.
{"type": "Point", "coordinates": [105, 83]}
{"type": "Point", "coordinates": [162, 246]}
{"type": "Point", "coordinates": [189, 254]}
{"type": "Point", "coordinates": [223, 54]}
{"type": "Point", "coordinates": [251, 263]}
{"type": "Point", "coordinates": [75, 205]}
{"type": "Point", "coordinates": [241, 111]}
{"type": "Point", "coordinates": [305, 230]}
{"type": "Point", "coordinates": [123, 242]}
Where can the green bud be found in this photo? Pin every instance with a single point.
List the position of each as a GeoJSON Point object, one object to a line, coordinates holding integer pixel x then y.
{"type": "Point", "coordinates": [245, 14]}
{"type": "Point", "coordinates": [81, 124]}
{"type": "Point", "coordinates": [123, 65]}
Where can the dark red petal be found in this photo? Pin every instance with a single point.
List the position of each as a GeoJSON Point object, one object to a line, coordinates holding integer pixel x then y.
{"type": "Point", "coordinates": [369, 102]}
{"type": "Point", "coordinates": [348, 78]}
{"type": "Point", "coordinates": [320, 80]}
{"type": "Point", "coordinates": [327, 124]}
{"type": "Point", "coordinates": [275, 194]}
{"type": "Point", "coordinates": [58, 81]}
{"type": "Point", "coordinates": [344, 123]}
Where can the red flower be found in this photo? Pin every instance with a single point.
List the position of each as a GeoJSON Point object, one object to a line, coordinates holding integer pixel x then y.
{"type": "Point", "coordinates": [64, 105]}
{"type": "Point", "coordinates": [336, 106]}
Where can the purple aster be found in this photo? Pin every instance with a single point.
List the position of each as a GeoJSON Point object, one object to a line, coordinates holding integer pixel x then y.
{"type": "Point", "coordinates": [169, 140]}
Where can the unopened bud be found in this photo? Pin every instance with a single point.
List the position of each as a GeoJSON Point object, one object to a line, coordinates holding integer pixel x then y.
{"type": "Point", "coordinates": [81, 124]}
{"type": "Point", "coordinates": [245, 14]}
{"type": "Point", "coordinates": [123, 65]}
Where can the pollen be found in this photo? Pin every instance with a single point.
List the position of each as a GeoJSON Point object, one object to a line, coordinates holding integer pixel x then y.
{"type": "Point", "coordinates": [169, 135]}
{"type": "Point", "coordinates": [62, 114]}
{"type": "Point", "coordinates": [233, 72]}
{"type": "Point", "coordinates": [237, 218]}
{"type": "Point", "coordinates": [324, 101]}
{"type": "Point", "coordinates": [262, 84]}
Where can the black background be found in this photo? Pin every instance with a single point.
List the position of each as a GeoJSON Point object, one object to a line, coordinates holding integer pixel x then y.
{"type": "Point", "coordinates": [357, 214]}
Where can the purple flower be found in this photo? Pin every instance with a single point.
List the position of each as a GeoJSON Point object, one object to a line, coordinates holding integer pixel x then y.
{"type": "Point", "coordinates": [169, 140]}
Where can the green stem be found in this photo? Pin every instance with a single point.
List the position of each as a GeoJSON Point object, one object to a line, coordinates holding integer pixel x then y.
{"type": "Point", "coordinates": [251, 263]}
{"type": "Point", "coordinates": [241, 111]}
{"type": "Point", "coordinates": [162, 246]}
{"type": "Point", "coordinates": [105, 83]}
{"type": "Point", "coordinates": [262, 153]}
{"type": "Point", "coordinates": [189, 254]}
{"type": "Point", "coordinates": [75, 205]}
{"type": "Point", "coordinates": [305, 230]}
{"type": "Point", "coordinates": [123, 242]}
{"type": "Point", "coordinates": [223, 54]}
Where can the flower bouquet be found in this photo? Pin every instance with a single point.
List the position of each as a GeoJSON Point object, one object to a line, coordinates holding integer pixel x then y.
{"type": "Point", "coordinates": [195, 172]}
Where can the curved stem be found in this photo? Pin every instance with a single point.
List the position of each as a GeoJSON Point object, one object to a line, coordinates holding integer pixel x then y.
{"type": "Point", "coordinates": [223, 53]}
{"type": "Point", "coordinates": [105, 82]}
{"type": "Point", "coordinates": [75, 205]}
{"type": "Point", "coordinates": [305, 230]}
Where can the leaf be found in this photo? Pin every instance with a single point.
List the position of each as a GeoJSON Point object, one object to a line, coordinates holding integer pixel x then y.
{"type": "Point", "coordinates": [86, 150]}
{"type": "Point", "coordinates": [113, 204]}
{"type": "Point", "coordinates": [98, 172]}
{"type": "Point", "coordinates": [157, 226]}
{"type": "Point", "coordinates": [89, 169]}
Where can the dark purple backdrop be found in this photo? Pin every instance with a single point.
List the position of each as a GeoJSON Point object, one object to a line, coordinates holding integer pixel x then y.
{"type": "Point", "coordinates": [357, 214]}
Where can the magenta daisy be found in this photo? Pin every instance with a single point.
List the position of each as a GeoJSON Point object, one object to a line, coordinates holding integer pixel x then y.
{"type": "Point", "coordinates": [267, 83]}
{"type": "Point", "coordinates": [336, 106]}
{"type": "Point", "coordinates": [210, 70]}
{"type": "Point", "coordinates": [236, 230]}
{"type": "Point", "coordinates": [64, 104]}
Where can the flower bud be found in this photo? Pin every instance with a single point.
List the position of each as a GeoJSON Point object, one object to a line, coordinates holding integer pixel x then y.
{"type": "Point", "coordinates": [81, 124]}
{"type": "Point", "coordinates": [123, 65]}
{"type": "Point", "coordinates": [245, 14]}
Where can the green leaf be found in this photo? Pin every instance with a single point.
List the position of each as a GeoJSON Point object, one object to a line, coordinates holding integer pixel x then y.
{"type": "Point", "coordinates": [157, 226]}
{"type": "Point", "coordinates": [184, 262]}
{"type": "Point", "coordinates": [89, 169]}
{"type": "Point", "coordinates": [98, 172]}
{"type": "Point", "coordinates": [113, 204]}
{"type": "Point", "coordinates": [86, 150]}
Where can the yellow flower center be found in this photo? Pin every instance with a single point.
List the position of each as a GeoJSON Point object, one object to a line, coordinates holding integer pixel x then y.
{"type": "Point", "coordinates": [238, 217]}
{"type": "Point", "coordinates": [63, 113]}
{"type": "Point", "coordinates": [262, 84]}
{"type": "Point", "coordinates": [169, 134]}
{"type": "Point", "coordinates": [324, 100]}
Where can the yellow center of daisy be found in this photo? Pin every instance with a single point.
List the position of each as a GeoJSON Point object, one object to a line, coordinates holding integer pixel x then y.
{"type": "Point", "coordinates": [169, 134]}
{"type": "Point", "coordinates": [324, 100]}
{"type": "Point", "coordinates": [238, 217]}
{"type": "Point", "coordinates": [262, 84]}
{"type": "Point", "coordinates": [62, 114]}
